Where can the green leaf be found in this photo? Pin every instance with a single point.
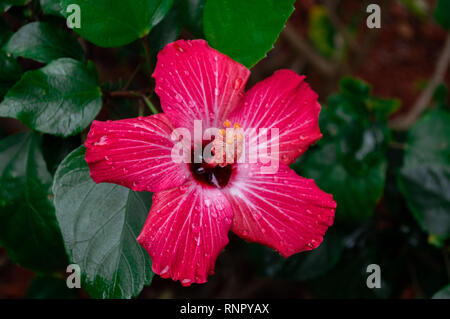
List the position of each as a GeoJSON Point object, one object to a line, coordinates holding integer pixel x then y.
{"type": "Point", "coordinates": [350, 161]}
{"type": "Point", "coordinates": [355, 87]}
{"type": "Point", "coordinates": [44, 287]}
{"type": "Point", "coordinates": [43, 42]}
{"type": "Point", "coordinates": [356, 192]}
{"type": "Point", "coordinates": [245, 30]}
{"type": "Point", "coordinates": [165, 32]}
{"type": "Point", "coordinates": [28, 228]}
{"type": "Point", "coordinates": [444, 293]}
{"type": "Point", "coordinates": [10, 73]}
{"type": "Point", "coordinates": [424, 178]}
{"type": "Point", "coordinates": [5, 33]}
{"type": "Point", "coordinates": [442, 13]}
{"type": "Point", "coordinates": [303, 266]}
{"type": "Point", "coordinates": [191, 15]}
{"type": "Point", "coordinates": [51, 7]}
{"type": "Point", "coordinates": [100, 224]}
{"type": "Point", "coordinates": [61, 99]}
{"type": "Point", "coordinates": [184, 14]}
{"type": "Point", "coordinates": [347, 280]}
{"type": "Point", "coordinates": [112, 23]}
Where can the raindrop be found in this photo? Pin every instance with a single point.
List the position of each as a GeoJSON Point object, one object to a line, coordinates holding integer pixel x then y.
{"type": "Point", "coordinates": [103, 140]}
{"type": "Point", "coordinates": [164, 271]}
{"type": "Point", "coordinates": [178, 48]}
{"type": "Point", "coordinates": [237, 83]}
{"type": "Point", "coordinates": [186, 281]}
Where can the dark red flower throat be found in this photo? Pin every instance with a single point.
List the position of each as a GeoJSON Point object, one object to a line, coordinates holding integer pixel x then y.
{"type": "Point", "coordinates": [210, 174]}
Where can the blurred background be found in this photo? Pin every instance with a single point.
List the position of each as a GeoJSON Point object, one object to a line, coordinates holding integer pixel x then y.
{"type": "Point", "coordinates": [369, 121]}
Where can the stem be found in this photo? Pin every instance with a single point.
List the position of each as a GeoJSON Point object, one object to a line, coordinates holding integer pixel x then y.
{"type": "Point", "coordinates": [125, 94]}
{"type": "Point", "coordinates": [304, 49]}
{"type": "Point", "coordinates": [150, 105]}
{"type": "Point", "coordinates": [134, 95]}
{"type": "Point", "coordinates": [130, 80]}
{"type": "Point", "coordinates": [427, 95]}
{"type": "Point", "coordinates": [148, 58]}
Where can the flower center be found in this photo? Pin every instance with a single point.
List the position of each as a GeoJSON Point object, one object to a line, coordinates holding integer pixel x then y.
{"type": "Point", "coordinates": [226, 149]}
{"type": "Point", "coordinates": [216, 176]}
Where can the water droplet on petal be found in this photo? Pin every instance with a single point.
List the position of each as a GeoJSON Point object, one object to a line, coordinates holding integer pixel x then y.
{"type": "Point", "coordinates": [186, 282]}
{"type": "Point", "coordinates": [102, 141]}
{"type": "Point", "coordinates": [178, 48]}
{"type": "Point", "coordinates": [237, 83]}
{"type": "Point", "coordinates": [164, 271]}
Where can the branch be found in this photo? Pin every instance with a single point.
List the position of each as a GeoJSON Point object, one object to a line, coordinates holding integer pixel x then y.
{"type": "Point", "coordinates": [304, 49]}
{"type": "Point", "coordinates": [124, 94]}
{"type": "Point", "coordinates": [425, 98]}
{"type": "Point", "coordinates": [134, 95]}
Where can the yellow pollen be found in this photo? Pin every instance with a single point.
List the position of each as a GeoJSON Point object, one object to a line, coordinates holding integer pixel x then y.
{"type": "Point", "coordinates": [227, 123]}
{"type": "Point", "coordinates": [237, 125]}
{"type": "Point", "coordinates": [222, 132]}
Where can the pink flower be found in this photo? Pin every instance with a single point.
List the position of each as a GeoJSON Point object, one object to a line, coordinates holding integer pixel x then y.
{"type": "Point", "coordinates": [195, 205]}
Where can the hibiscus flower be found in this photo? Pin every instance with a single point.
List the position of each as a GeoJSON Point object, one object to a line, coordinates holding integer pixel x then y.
{"type": "Point", "coordinates": [195, 205]}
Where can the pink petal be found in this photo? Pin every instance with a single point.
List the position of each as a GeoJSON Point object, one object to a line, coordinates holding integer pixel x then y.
{"type": "Point", "coordinates": [286, 102]}
{"type": "Point", "coordinates": [283, 211]}
{"type": "Point", "coordinates": [135, 153]}
{"type": "Point", "coordinates": [196, 82]}
{"type": "Point", "coordinates": [185, 231]}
